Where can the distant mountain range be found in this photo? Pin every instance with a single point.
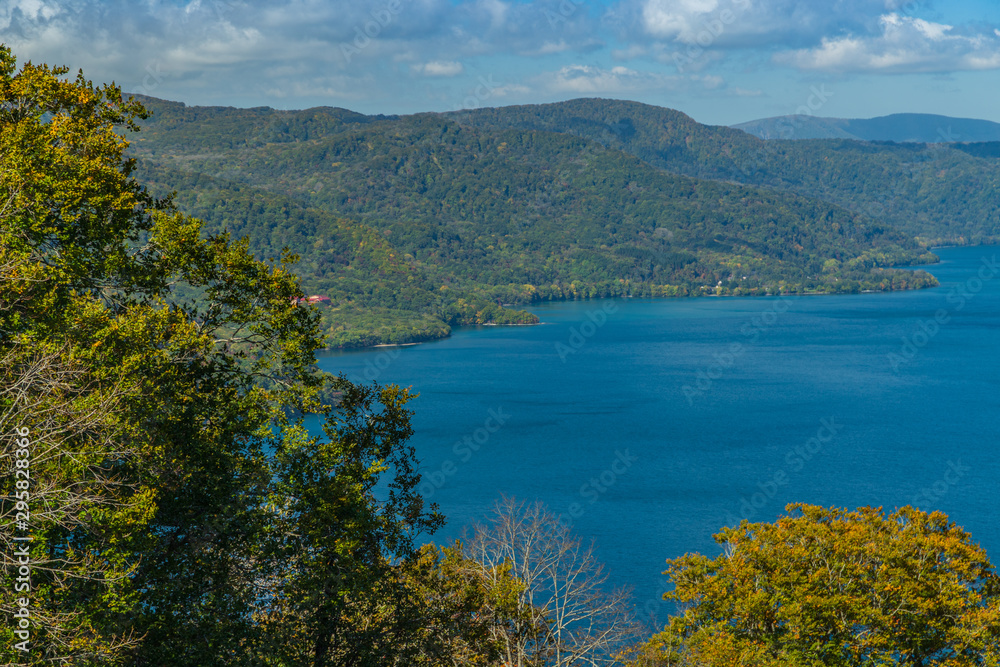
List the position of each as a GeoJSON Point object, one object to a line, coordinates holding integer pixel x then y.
{"type": "Point", "coordinates": [942, 194]}
{"type": "Point", "coordinates": [899, 127]}
{"type": "Point", "coordinates": [412, 224]}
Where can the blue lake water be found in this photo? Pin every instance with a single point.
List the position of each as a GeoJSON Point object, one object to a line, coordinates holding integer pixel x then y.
{"type": "Point", "coordinates": [651, 423]}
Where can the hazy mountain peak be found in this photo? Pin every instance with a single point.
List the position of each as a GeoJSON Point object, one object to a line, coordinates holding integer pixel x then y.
{"type": "Point", "coordinates": [899, 127]}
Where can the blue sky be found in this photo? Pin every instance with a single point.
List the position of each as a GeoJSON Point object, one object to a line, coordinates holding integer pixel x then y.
{"type": "Point", "coordinates": [720, 61]}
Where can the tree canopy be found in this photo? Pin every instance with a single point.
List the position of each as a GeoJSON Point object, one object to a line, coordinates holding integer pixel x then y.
{"type": "Point", "coordinates": [152, 393]}
{"type": "Point", "coordinates": [835, 587]}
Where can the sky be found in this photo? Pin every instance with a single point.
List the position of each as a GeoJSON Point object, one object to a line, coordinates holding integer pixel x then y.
{"type": "Point", "coordinates": [720, 61]}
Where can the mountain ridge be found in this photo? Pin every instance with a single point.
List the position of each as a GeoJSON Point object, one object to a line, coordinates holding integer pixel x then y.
{"type": "Point", "coordinates": [942, 194]}
{"type": "Point", "coordinates": [898, 128]}
{"type": "Point", "coordinates": [464, 217]}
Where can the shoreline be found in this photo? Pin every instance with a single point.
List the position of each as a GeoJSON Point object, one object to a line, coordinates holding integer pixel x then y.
{"type": "Point", "coordinates": [688, 296]}
{"type": "Point", "coordinates": [665, 298]}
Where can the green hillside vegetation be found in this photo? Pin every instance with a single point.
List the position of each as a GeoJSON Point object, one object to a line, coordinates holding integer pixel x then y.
{"type": "Point", "coordinates": [984, 149]}
{"type": "Point", "coordinates": [377, 294]}
{"type": "Point", "coordinates": [938, 193]}
{"type": "Point", "coordinates": [440, 224]}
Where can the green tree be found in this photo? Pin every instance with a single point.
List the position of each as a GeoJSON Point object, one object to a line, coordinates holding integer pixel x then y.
{"type": "Point", "coordinates": [153, 369]}
{"type": "Point", "coordinates": [79, 502]}
{"type": "Point", "coordinates": [159, 379]}
{"type": "Point", "coordinates": [832, 587]}
{"type": "Point", "coordinates": [69, 222]}
{"type": "Point", "coordinates": [338, 528]}
{"type": "Point", "coordinates": [461, 607]}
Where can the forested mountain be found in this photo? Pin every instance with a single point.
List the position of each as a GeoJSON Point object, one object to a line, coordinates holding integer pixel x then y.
{"type": "Point", "coordinates": [437, 222]}
{"type": "Point", "coordinates": [898, 127]}
{"type": "Point", "coordinates": [377, 295]}
{"type": "Point", "coordinates": [939, 193]}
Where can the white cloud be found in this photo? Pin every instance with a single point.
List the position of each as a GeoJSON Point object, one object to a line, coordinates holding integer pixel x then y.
{"type": "Point", "coordinates": [902, 44]}
{"type": "Point", "coordinates": [29, 9]}
{"type": "Point", "coordinates": [239, 51]}
{"type": "Point", "coordinates": [710, 82]}
{"type": "Point", "coordinates": [744, 92]}
{"type": "Point", "coordinates": [440, 68]}
{"type": "Point", "coordinates": [391, 54]}
{"type": "Point", "coordinates": [633, 51]}
{"type": "Point", "coordinates": [548, 48]}
{"type": "Point", "coordinates": [676, 19]}
{"type": "Point", "coordinates": [846, 35]}
{"type": "Point", "coordinates": [497, 11]}
{"type": "Point", "coordinates": [510, 90]}
{"type": "Point", "coordinates": [751, 24]}
{"type": "Point", "coordinates": [588, 80]}
{"type": "Point", "coordinates": [333, 87]}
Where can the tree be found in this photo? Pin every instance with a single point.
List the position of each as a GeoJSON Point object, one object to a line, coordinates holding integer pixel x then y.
{"type": "Point", "coordinates": [335, 536]}
{"type": "Point", "coordinates": [152, 368]}
{"type": "Point", "coordinates": [65, 478]}
{"type": "Point", "coordinates": [563, 615]}
{"type": "Point", "coordinates": [440, 610]}
{"type": "Point", "coordinates": [832, 587]}
{"type": "Point", "coordinates": [70, 217]}
{"type": "Point", "coordinates": [456, 608]}
{"type": "Point", "coordinates": [159, 379]}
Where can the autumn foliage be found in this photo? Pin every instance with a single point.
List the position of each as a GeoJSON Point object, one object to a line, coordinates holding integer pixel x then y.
{"type": "Point", "coordinates": [833, 587]}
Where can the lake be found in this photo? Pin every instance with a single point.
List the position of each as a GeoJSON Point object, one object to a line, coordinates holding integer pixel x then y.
{"type": "Point", "coordinates": [651, 423]}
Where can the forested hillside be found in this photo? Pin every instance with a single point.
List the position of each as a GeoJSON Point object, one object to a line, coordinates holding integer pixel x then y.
{"type": "Point", "coordinates": [939, 193]}
{"type": "Point", "coordinates": [378, 295]}
{"type": "Point", "coordinates": [438, 223]}
{"type": "Point", "coordinates": [898, 127]}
